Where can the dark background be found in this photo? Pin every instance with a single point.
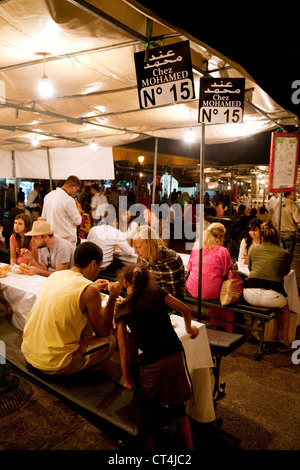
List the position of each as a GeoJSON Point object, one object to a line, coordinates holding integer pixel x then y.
{"type": "Point", "coordinates": [263, 38]}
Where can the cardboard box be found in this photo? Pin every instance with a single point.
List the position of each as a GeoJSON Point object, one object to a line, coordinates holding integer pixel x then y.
{"type": "Point", "coordinates": [271, 329]}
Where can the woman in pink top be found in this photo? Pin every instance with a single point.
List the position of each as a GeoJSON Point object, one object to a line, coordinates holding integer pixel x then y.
{"type": "Point", "coordinates": [18, 240]}
{"type": "Point", "coordinates": [215, 262]}
{"type": "Point", "coordinates": [219, 209]}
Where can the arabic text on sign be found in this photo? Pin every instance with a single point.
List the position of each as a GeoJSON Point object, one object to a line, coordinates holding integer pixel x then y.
{"type": "Point", "coordinates": [166, 60]}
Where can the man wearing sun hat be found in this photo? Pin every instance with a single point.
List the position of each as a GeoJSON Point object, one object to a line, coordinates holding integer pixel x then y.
{"type": "Point", "coordinates": [54, 253]}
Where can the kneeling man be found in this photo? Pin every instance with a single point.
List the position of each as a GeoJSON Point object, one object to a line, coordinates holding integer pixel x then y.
{"type": "Point", "coordinates": [58, 337]}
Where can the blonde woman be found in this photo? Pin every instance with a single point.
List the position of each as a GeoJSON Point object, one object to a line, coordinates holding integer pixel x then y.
{"type": "Point", "coordinates": [165, 263]}
{"type": "Point", "coordinates": [215, 262]}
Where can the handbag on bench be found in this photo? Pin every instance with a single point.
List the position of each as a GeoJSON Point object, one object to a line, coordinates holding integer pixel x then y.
{"type": "Point", "coordinates": [232, 286]}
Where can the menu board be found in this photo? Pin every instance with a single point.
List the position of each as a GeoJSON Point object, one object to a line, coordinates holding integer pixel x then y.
{"type": "Point", "coordinates": [284, 156]}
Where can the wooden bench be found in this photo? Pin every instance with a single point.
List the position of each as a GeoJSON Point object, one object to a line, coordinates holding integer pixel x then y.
{"type": "Point", "coordinates": [95, 396]}
{"type": "Point", "coordinates": [222, 343]}
{"type": "Point", "coordinates": [262, 314]}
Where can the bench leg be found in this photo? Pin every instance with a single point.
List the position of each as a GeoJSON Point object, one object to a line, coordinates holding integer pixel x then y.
{"type": "Point", "coordinates": [217, 393]}
{"type": "Point", "coordinates": [7, 387]}
{"type": "Point", "coordinates": [261, 348]}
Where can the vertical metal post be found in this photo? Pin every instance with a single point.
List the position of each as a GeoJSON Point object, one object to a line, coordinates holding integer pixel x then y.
{"type": "Point", "coordinates": [279, 212]}
{"type": "Point", "coordinates": [13, 161]}
{"type": "Point", "coordinates": [171, 178]}
{"type": "Point", "coordinates": [201, 215]}
{"type": "Point", "coordinates": [154, 171]}
{"type": "Point", "coordinates": [49, 169]}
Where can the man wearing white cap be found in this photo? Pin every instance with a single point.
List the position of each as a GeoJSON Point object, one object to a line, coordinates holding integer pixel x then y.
{"type": "Point", "coordinates": [54, 253]}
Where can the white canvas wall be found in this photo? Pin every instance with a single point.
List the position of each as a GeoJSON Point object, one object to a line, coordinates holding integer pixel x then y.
{"type": "Point", "coordinates": [80, 161]}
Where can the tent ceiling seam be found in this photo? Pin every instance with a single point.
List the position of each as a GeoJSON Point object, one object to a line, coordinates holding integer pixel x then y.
{"type": "Point", "coordinates": [89, 8]}
{"type": "Point", "coordinates": [77, 121]}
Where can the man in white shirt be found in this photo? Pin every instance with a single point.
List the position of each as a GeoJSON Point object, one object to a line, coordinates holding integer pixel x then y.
{"type": "Point", "coordinates": [99, 204]}
{"type": "Point", "coordinates": [61, 210]}
{"type": "Point", "coordinates": [108, 238]}
{"type": "Point", "coordinates": [273, 201]}
{"type": "Point", "coordinates": [54, 253]}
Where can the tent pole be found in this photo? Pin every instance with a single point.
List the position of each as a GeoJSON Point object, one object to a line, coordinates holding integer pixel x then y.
{"type": "Point", "coordinates": [171, 178]}
{"type": "Point", "coordinates": [49, 169]}
{"type": "Point", "coordinates": [201, 216]}
{"type": "Point", "coordinates": [154, 171]}
{"type": "Point", "coordinates": [13, 161]}
{"type": "Point", "coordinates": [279, 212]}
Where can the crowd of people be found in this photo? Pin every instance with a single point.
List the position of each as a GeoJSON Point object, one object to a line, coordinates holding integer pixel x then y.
{"type": "Point", "coordinates": [72, 242]}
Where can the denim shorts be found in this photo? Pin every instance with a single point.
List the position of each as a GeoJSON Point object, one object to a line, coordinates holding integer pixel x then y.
{"type": "Point", "coordinates": [264, 297]}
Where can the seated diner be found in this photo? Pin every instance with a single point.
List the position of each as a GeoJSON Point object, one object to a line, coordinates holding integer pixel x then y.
{"type": "Point", "coordinates": [164, 263]}
{"type": "Point", "coordinates": [268, 264]}
{"type": "Point", "coordinates": [252, 238]}
{"type": "Point", "coordinates": [54, 253]}
{"type": "Point", "coordinates": [67, 327]}
{"type": "Point", "coordinates": [215, 263]}
{"type": "Point", "coordinates": [19, 242]}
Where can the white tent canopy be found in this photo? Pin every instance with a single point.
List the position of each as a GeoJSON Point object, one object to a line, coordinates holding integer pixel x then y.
{"type": "Point", "coordinates": [58, 163]}
{"type": "Point", "coordinates": [86, 48]}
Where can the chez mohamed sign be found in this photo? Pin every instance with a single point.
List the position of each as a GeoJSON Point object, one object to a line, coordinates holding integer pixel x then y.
{"type": "Point", "coordinates": [166, 77]}
{"type": "Point", "coordinates": [221, 101]}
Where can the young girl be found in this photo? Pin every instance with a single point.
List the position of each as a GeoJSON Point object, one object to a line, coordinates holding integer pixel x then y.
{"type": "Point", "coordinates": [162, 375]}
{"type": "Point", "coordinates": [19, 241]}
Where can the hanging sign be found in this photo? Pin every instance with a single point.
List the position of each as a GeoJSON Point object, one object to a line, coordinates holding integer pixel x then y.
{"type": "Point", "coordinates": [166, 77]}
{"type": "Point", "coordinates": [284, 156]}
{"type": "Point", "coordinates": [221, 100]}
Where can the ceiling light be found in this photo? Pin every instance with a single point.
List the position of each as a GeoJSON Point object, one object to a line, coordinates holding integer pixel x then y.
{"type": "Point", "coordinates": [35, 141]}
{"type": "Point", "coordinates": [93, 145]}
{"type": "Point", "coordinates": [190, 136]}
{"type": "Point", "coordinates": [45, 87]}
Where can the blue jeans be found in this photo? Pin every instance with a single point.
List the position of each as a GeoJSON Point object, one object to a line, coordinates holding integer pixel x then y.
{"type": "Point", "coordinates": [288, 242]}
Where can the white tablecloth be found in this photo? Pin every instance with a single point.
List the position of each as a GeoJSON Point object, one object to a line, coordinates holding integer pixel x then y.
{"type": "Point", "coordinates": [185, 258]}
{"type": "Point", "coordinates": [20, 291]}
{"type": "Point", "coordinates": [199, 362]}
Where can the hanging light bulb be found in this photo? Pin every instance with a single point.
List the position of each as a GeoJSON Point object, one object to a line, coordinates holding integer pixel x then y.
{"type": "Point", "coordinates": [190, 136]}
{"type": "Point", "coordinates": [45, 87]}
{"type": "Point", "coordinates": [93, 145]}
{"type": "Point", "coordinates": [35, 141]}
